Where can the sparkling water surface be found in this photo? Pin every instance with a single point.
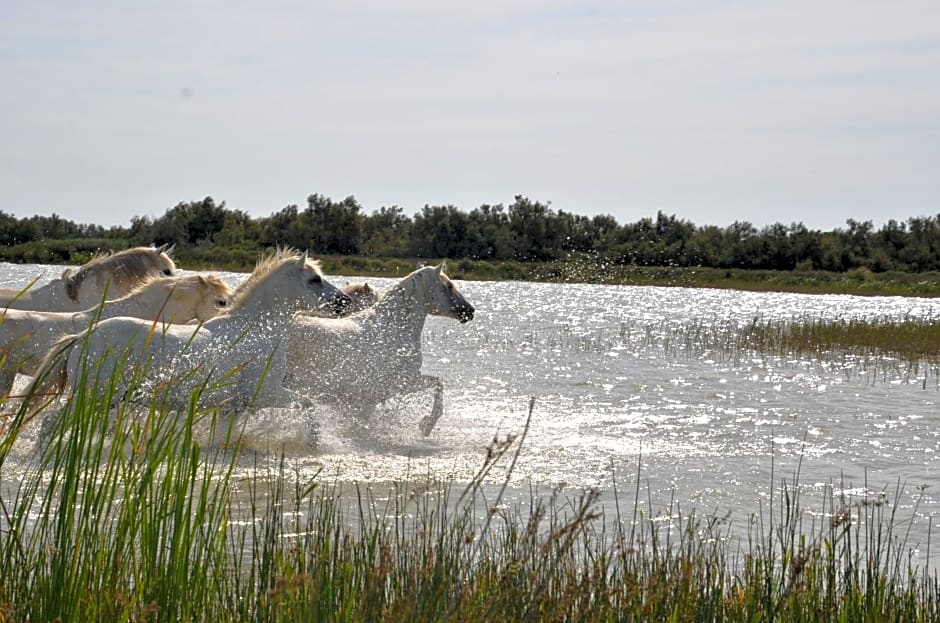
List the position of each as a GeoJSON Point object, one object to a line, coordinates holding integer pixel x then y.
{"type": "Point", "coordinates": [623, 378]}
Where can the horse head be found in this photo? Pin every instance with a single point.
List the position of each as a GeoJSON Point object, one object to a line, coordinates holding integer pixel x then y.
{"type": "Point", "coordinates": [216, 296]}
{"type": "Point", "coordinates": [291, 278]}
{"type": "Point", "coordinates": [361, 295]}
{"type": "Point", "coordinates": [122, 271]}
{"type": "Point", "coordinates": [439, 294]}
{"type": "Point", "coordinates": [321, 294]}
{"type": "Point", "coordinates": [162, 262]}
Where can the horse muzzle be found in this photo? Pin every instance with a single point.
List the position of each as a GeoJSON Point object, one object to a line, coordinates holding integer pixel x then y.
{"type": "Point", "coordinates": [339, 304]}
{"type": "Point", "coordinates": [464, 313]}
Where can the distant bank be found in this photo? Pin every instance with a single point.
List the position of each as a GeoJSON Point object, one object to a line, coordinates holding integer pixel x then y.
{"type": "Point", "coordinates": [575, 269]}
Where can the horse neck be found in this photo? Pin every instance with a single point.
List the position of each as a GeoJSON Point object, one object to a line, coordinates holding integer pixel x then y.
{"type": "Point", "coordinates": [144, 304]}
{"type": "Point", "coordinates": [49, 296]}
{"type": "Point", "coordinates": [402, 312]}
{"type": "Point", "coordinates": [130, 305]}
{"type": "Point", "coordinates": [263, 304]}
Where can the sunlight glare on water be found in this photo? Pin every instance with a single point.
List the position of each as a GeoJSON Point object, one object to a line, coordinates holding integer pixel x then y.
{"type": "Point", "coordinates": [621, 378]}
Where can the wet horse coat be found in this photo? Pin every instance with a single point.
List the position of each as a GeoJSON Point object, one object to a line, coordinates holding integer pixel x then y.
{"type": "Point", "coordinates": [85, 287]}
{"type": "Point", "coordinates": [357, 362]}
{"type": "Point", "coordinates": [25, 336]}
{"type": "Point", "coordinates": [239, 356]}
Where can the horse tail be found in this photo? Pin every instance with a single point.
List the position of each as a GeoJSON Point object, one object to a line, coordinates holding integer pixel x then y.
{"type": "Point", "coordinates": [52, 374]}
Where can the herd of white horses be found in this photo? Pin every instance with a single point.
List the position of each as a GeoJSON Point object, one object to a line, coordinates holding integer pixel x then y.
{"type": "Point", "coordinates": [284, 337]}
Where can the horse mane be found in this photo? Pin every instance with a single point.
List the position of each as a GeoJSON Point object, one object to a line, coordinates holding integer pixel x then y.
{"type": "Point", "coordinates": [132, 263]}
{"type": "Point", "coordinates": [407, 283]}
{"type": "Point", "coordinates": [265, 266]}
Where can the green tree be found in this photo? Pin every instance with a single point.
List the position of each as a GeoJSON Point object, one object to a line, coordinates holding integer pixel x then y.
{"type": "Point", "coordinates": [439, 231]}
{"type": "Point", "coordinates": [386, 232]}
{"type": "Point", "coordinates": [189, 224]}
{"type": "Point", "coordinates": [276, 229]}
{"type": "Point", "coordinates": [533, 235]}
{"type": "Point", "coordinates": [333, 227]}
{"type": "Point", "coordinates": [492, 223]}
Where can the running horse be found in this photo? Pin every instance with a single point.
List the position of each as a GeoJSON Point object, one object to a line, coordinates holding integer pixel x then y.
{"type": "Point", "coordinates": [361, 295]}
{"type": "Point", "coordinates": [236, 360]}
{"type": "Point", "coordinates": [25, 336]}
{"type": "Point", "coordinates": [357, 362]}
{"type": "Point", "coordinates": [79, 289]}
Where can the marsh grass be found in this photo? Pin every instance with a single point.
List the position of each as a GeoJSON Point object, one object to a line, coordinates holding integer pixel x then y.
{"type": "Point", "coordinates": [911, 340]}
{"type": "Point", "coordinates": [125, 514]}
{"type": "Point", "coordinates": [908, 349]}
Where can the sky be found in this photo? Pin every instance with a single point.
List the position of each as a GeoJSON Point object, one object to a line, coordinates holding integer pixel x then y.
{"type": "Point", "coordinates": [715, 112]}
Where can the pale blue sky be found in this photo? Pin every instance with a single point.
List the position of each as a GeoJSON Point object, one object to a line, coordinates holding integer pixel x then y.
{"type": "Point", "coordinates": [712, 111]}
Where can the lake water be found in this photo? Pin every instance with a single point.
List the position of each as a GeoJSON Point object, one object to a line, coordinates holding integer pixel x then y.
{"type": "Point", "coordinates": [620, 381]}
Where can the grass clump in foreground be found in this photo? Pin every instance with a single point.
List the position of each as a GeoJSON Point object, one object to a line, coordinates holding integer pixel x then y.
{"type": "Point", "coordinates": [130, 517]}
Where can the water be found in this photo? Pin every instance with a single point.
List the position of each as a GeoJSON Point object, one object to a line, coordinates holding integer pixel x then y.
{"type": "Point", "coordinates": [615, 389]}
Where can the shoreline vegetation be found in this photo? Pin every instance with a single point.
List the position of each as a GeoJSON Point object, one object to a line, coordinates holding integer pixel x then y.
{"type": "Point", "coordinates": [906, 349]}
{"type": "Point", "coordinates": [522, 240]}
{"type": "Point", "coordinates": [574, 269]}
{"type": "Point", "coordinates": [861, 282]}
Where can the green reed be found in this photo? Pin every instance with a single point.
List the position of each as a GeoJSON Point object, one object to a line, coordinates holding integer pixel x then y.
{"type": "Point", "coordinates": [881, 348]}
{"type": "Point", "coordinates": [911, 339]}
{"type": "Point", "coordinates": [135, 514]}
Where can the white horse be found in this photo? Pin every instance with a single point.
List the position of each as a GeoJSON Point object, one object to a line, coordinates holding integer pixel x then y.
{"type": "Point", "coordinates": [238, 358]}
{"type": "Point", "coordinates": [361, 295]}
{"type": "Point", "coordinates": [357, 362]}
{"type": "Point", "coordinates": [25, 336]}
{"type": "Point", "coordinates": [84, 287]}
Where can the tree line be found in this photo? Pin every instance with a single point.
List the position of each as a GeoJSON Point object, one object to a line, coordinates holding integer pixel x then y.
{"type": "Point", "coordinates": [525, 231]}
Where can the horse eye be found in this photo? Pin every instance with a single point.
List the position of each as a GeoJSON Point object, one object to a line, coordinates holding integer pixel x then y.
{"type": "Point", "coordinates": [221, 303]}
{"type": "Point", "coordinates": [167, 272]}
{"type": "Point", "coordinates": [316, 279]}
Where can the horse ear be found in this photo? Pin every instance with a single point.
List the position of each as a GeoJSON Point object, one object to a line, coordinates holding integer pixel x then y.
{"type": "Point", "coordinates": [203, 280]}
{"type": "Point", "coordinates": [441, 267]}
{"type": "Point", "coordinates": [161, 248]}
{"type": "Point", "coordinates": [303, 259]}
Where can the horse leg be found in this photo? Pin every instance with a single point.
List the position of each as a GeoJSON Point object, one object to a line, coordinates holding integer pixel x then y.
{"type": "Point", "coordinates": [426, 425]}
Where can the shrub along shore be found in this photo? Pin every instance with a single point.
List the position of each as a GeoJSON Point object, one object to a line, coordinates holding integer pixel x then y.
{"type": "Point", "coordinates": [586, 270]}
{"type": "Point", "coordinates": [576, 268]}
